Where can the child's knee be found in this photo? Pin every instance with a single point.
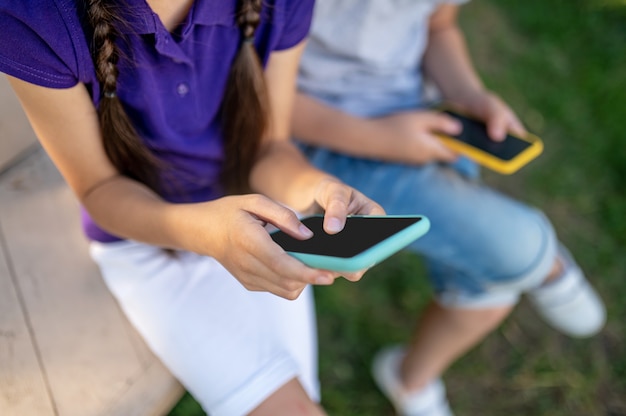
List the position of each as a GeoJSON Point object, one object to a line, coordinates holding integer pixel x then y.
{"type": "Point", "coordinates": [505, 263]}
{"type": "Point", "coordinates": [527, 258]}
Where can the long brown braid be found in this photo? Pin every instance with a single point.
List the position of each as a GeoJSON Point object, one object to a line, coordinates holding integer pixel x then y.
{"type": "Point", "coordinates": [245, 108]}
{"type": "Point", "coordinates": [121, 142]}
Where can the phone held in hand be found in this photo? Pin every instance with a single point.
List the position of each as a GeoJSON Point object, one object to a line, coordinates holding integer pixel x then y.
{"type": "Point", "coordinates": [504, 157]}
{"type": "Point", "coordinates": [366, 240]}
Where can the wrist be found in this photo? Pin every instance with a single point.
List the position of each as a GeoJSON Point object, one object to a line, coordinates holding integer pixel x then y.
{"type": "Point", "coordinates": [467, 98]}
{"type": "Point", "coordinates": [392, 141]}
{"type": "Point", "coordinates": [181, 228]}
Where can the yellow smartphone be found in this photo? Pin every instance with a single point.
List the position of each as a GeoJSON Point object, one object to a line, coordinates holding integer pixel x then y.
{"type": "Point", "coordinates": [505, 157]}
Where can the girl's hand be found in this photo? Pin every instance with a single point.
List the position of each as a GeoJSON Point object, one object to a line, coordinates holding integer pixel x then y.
{"type": "Point", "coordinates": [498, 116]}
{"type": "Point", "coordinates": [232, 230]}
{"type": "Point", "coordinates": [338, 200]}
{"type": "Point", "coordinates": [413, 134]}
{"type": "Point", "coordinates": [236, 237]}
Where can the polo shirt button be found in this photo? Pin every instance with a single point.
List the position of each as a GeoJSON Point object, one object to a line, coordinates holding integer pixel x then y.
{"type": "Point", "coordinates": [182, 89]}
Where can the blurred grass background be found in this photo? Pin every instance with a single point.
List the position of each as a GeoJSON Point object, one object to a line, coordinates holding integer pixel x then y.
{"type": "Point", "coordinates": [562, 66]}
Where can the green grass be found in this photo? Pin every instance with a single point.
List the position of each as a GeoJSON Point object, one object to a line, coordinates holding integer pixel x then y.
{"type": "Point", "coordinates": [562, 66]}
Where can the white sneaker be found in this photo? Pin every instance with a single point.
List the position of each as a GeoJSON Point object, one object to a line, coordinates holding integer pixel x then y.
{"type": "Point", "coordinates": [430, 401]}
{"type": "Point", "coordinates": [569, 303]}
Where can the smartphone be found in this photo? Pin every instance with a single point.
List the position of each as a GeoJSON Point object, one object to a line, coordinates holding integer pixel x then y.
{"type": "Point", "coordinates": [505, 157]}
{"type": "Point", "coordinates": [366, 240]}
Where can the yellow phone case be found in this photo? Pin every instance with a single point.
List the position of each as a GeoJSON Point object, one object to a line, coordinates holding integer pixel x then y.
{"type": "Point", "coordinates": [491, 161]}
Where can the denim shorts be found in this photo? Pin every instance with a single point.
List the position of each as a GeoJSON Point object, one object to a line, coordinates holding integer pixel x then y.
{"type": "Point", "coordinates": [483, 248]}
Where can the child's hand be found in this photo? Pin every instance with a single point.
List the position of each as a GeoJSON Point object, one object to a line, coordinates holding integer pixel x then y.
{"type": "Point", "coordinates": [413, 135]}
{"type": "Point", "coordinates": [498, 116]}
{"type": "Point", "coordinates": [232, 230]}
{"type": "Point", "coordinates": [338, 200]}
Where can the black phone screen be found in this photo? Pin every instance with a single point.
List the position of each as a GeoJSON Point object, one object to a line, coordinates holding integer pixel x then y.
{"type": "Point", "coordinates": [475, 134]}
{"type": "Point", "coordinates": [359, 234]}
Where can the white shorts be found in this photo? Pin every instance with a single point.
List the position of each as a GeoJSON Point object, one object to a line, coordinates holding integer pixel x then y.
{"type": "Point", "coordinates": [230, 348]}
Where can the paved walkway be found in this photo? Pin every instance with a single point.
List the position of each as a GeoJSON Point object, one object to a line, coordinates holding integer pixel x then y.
{"type": "Point", "coordinates": [65, 347]}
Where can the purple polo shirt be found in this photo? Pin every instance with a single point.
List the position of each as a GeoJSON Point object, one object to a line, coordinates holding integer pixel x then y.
{"type": "Point", "coordinates": [170, 83]}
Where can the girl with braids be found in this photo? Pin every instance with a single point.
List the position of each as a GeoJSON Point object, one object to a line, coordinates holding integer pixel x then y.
{"type": "Point", "coordinates": [175, 140]}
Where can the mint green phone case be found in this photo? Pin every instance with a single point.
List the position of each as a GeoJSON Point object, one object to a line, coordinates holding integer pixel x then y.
{"type": "Point", "coordinates": [372, 255]}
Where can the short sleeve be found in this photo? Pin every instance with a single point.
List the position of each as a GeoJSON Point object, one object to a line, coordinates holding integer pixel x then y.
{"type": "Point", "coordinates": [296, 22]}
{"type": "Point", "coordinates": [36, 45]}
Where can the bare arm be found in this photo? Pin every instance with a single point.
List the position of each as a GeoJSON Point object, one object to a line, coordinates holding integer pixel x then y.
{"type": "Point", "coordinates": [448, 63]}
{"type": "Point", "coordinates": [282, 172]}
{"type": "Point", "coordinates": [129, 209]}
{"type": "Point", "coordinates": [316, 123]}
{"type": "Point", "coordinates": [406, 137]}
{"type": "Point", "coordinates": [446, 60]}
{"type": "Point", "coordinates": [118, 204]}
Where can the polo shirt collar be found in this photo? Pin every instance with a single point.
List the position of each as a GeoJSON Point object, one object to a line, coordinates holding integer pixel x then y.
{"type": "Point", "coordinates": [141, 20]}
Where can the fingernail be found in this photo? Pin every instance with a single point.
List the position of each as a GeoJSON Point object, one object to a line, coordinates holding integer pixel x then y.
{"type": "Point", "coordinates": [324, 280]}
{"type": "Point", "coordinates": [305, 231]}
{"type": "Point", "coordinates": [497, 134]}
{"type": "Point", "coordinates": [334, 225]}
